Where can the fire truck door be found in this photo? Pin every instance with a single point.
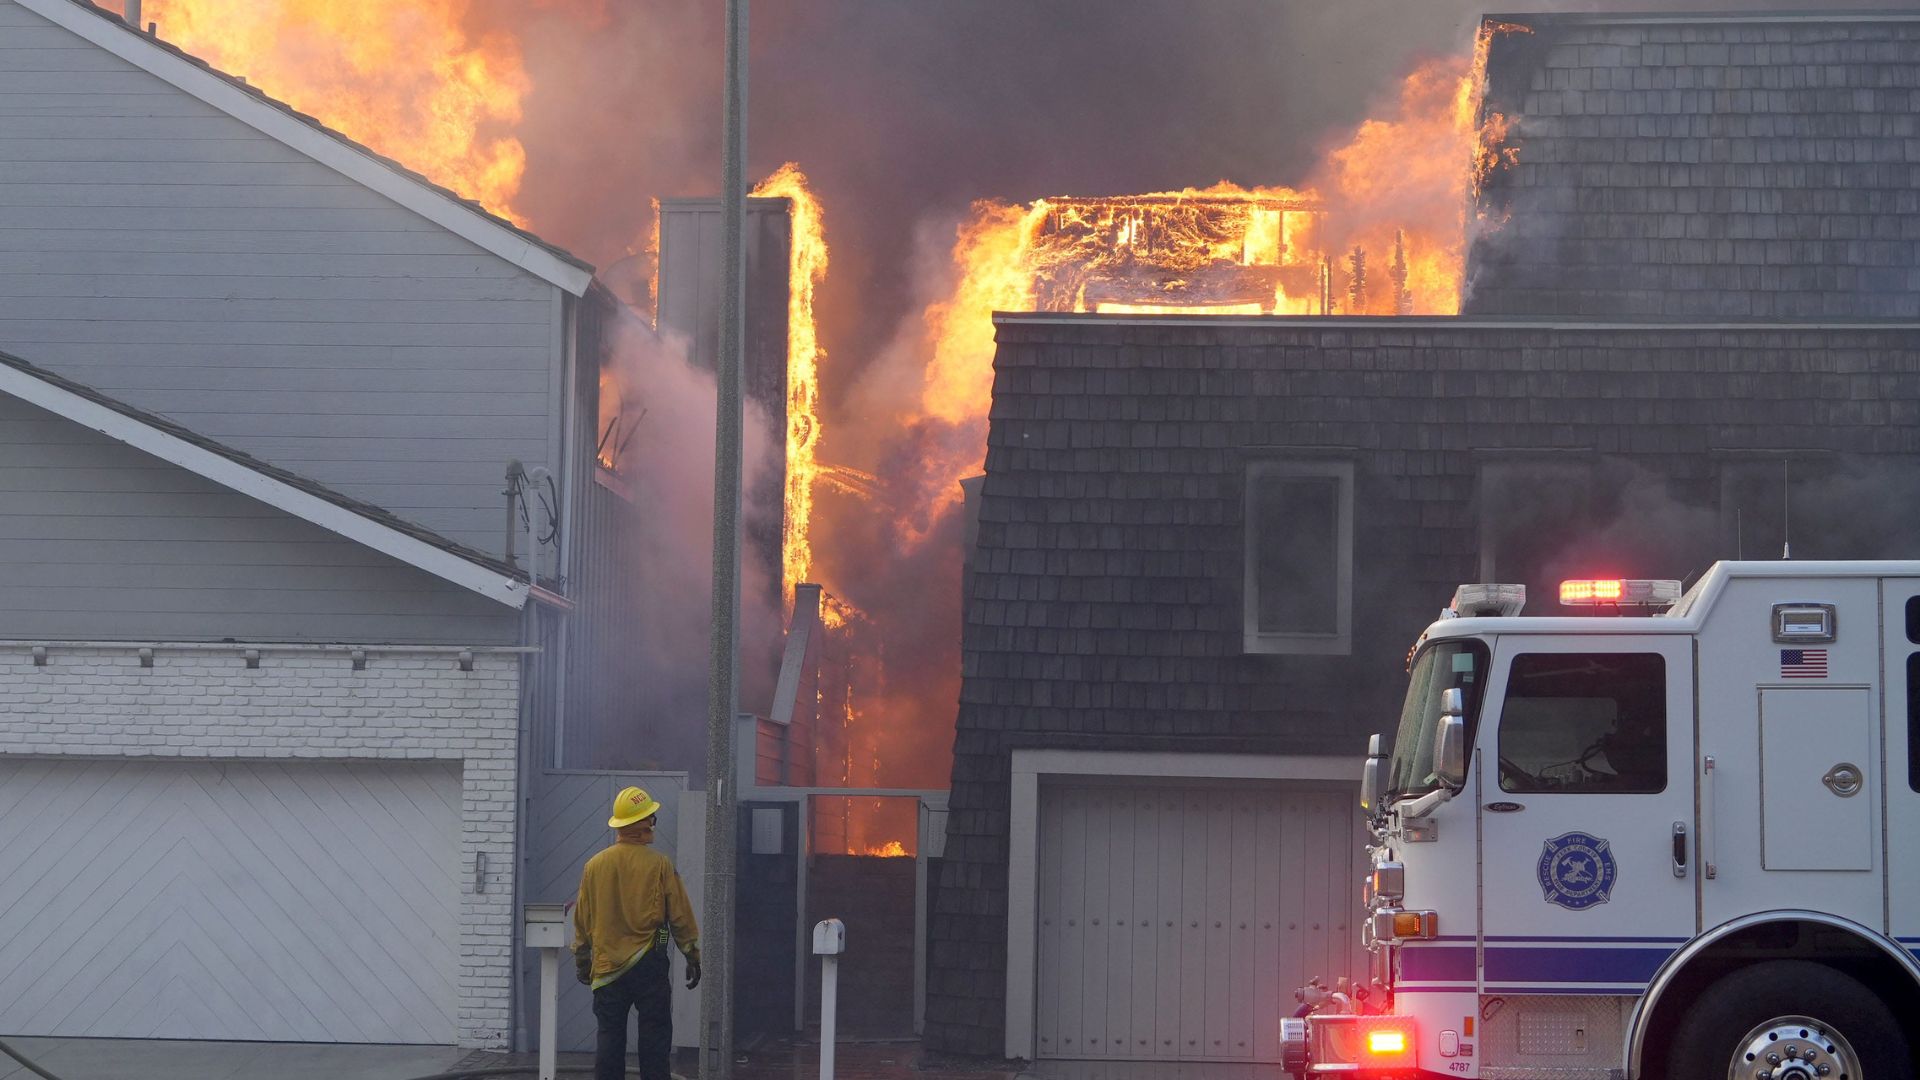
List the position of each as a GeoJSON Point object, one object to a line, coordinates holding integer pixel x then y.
{"type": "Point", "coordinates": [1586, 808]}
{"type": "Point", "coordinates": [1791, 807]}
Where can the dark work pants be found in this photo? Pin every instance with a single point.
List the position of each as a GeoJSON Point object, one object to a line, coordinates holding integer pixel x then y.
{"type": "Point", "coordinates": [644, 987]}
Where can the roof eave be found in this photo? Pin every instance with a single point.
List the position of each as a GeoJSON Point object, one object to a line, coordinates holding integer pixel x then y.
{"type": "Point", "coordinates": [231, 474]}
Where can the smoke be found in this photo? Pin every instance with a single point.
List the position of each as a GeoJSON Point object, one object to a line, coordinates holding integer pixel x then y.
{"type": "Point", "coordinates": [902, 114]}
{"type": "Point", "coordinates": [668, 467]}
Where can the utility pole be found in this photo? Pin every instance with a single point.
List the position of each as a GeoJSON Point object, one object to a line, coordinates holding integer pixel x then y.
{"type": "Point", "coordinates": [723, 694]}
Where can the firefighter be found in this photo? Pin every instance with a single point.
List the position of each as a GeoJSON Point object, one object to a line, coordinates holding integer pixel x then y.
{"type": "Point", "coordinates": [631, 904]}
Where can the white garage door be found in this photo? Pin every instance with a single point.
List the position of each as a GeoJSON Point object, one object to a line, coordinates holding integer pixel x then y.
{"type": "Point", "coordinates": [260, 901]}
{"type": "Point", "coordinates": [1176, 921]}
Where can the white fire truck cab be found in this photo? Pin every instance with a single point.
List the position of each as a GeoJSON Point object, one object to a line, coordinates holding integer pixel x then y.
{"type": "Point", "coordinates": [1679, 843]}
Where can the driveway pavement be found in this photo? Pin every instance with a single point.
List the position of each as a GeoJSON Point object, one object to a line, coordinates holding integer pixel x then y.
{"type": "Point", "coordinates": [171, 1059]}
{"type": "Point", "coordinates": [156, 1059]}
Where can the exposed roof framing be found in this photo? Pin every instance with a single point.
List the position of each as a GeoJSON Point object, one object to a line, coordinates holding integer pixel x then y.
{"type": "Point", "coordinates": [350, 518]}
{"type": "Point", "coordinates": [280, 121]}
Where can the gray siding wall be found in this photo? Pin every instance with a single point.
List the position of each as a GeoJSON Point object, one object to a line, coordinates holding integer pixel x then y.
{"type": "Point", "coordinates": [169, 255]}
{"type": "Point", "coordinates": [99, 541]}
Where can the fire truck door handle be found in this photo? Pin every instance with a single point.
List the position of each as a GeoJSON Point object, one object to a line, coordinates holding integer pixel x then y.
{"type": "Point", "coordinates": [1680, 849]}
{"type": "Point", "coordinates": [1707, 868]}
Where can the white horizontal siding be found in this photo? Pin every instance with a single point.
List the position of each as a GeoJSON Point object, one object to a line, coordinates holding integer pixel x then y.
{"type": "Point", "coordinates": [161, 251]}
{"type": "Point", "coordinates": [99, 541]}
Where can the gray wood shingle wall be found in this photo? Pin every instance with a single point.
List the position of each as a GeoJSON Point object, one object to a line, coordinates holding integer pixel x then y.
{"type": "Point", "coordinates": [1704, 167]}
{"type": "Point", "coordinates": [1104, 606]}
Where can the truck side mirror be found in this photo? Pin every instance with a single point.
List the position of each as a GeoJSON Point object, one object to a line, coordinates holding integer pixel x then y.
{"type": "Point", "coordinates": [1373, 775]}
{"type": "Point", "coordinates": [1450, 751]}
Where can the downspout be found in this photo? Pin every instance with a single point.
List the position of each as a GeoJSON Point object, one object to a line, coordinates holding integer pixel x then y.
{"type": "Point", "coordinates": [523, 805]}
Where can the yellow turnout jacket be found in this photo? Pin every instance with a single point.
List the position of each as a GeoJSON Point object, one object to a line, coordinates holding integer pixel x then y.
{"type": "Point", "coordinates": [630, 899]}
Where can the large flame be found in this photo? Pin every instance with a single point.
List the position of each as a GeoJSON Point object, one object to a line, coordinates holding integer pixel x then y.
{"type": "Point", "coordinates": [406, 79]}
{"type": "Point", "coordinates": [1379, 230]}
{"type": "Point", "coordinates": [806, 269]}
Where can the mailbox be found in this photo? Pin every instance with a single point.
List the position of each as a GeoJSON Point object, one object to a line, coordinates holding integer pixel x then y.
{"type": "Point", "coordinates": [545, 925]}
{"type": "Point", "coordinates": [829, 937]}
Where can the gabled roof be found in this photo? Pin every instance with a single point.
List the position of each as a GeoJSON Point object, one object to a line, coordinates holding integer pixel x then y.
{"type": "Point", "coordinates": [350, 518]}
{"type": "Point", "coordinates": [280, 121]}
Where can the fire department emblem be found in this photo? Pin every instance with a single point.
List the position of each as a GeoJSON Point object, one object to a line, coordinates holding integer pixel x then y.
{"type": "Point", "coordinates": [1577, 871]}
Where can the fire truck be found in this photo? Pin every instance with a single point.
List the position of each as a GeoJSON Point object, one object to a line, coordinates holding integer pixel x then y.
{"type": "Point", "coordinates": [1682, 842]}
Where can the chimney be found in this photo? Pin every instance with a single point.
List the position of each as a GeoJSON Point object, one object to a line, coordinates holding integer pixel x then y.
{"type": "Point", "coordinates": [132, 13]}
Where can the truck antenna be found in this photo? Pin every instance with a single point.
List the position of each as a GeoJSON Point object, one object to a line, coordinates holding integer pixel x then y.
{"type": "Point", "coordinates": [1739, 536]}
{"type": "Point", "coordinates": [1786, 515]}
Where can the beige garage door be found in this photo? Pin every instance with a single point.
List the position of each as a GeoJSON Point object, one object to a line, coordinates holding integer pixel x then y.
{"type": "Point", "coordinates": [1176, 921]}
{"type": "Point", "coordinates": [236, 900]}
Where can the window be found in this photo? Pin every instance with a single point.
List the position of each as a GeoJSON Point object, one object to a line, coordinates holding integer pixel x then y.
{"type": "Point", "coordinates": [1913, 718]}
{"type": "Point", "coordinates": [1913, 619]}
{"type": "Point", "coordinates": [1585, 723]}
{"type": "Point", "coordinates": [1299, 563]}
{"type": "Point", "coordinates": [1447, 665]}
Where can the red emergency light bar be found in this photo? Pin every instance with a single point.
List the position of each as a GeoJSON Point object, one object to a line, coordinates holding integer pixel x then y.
{"type": "Point", "coordinates": [1622, 592]}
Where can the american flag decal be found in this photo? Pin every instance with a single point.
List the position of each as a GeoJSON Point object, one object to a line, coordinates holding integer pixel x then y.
{"type": "Point", "coordinates": [1803, 663]}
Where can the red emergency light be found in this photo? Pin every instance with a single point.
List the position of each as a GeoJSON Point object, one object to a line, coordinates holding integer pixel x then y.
{"type": "Point", "coordinates": [1623, 592]}
{"type": "Point", "coordinates": [1605, 591]}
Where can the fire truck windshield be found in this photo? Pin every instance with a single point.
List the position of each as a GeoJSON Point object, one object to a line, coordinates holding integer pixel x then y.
{"type": "Point", "coordinates": [1440, 667]}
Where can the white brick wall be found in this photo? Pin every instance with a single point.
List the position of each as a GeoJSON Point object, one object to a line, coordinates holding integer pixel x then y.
{"type": "Point", "coordinates": [200, 703]}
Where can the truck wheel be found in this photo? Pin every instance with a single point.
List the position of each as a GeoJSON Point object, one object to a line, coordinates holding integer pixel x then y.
{"type": "Point", "coordinates": [1788, 1020]}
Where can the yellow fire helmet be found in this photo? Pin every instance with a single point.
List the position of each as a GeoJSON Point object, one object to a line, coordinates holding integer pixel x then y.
{"type": "Point", "coordinates": [630, 806]}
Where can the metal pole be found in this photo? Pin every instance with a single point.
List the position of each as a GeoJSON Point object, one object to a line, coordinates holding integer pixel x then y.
{"type": "Point", "coordinates": [549, 1012]}
{"type": "Point", "coordinates": [829, 1012]}
{"type": "Point", "coordinates": [716, 937]}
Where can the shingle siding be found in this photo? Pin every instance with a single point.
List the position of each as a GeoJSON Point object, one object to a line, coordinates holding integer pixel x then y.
{"type": "Point", "coordinates": [1104, 606]}
{"type": "Point", "coordinates": [1706, 169]}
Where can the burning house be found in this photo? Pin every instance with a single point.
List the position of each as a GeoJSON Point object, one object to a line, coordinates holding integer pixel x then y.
{"type": "Point", "coordinates": [1685, 333]}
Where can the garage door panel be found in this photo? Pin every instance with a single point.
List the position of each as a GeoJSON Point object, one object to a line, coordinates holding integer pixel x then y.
{"type": "Point", "coordinates": [1193, 936]}
{"type": "Point", "coordinates": [1096, 922]}
{"type": "Point", "coordinates": [1243, 954]}
{"type": "Point", "coordinates": [236, 900]}
{"type": "Point", "coordinates": [346, 820]}
{"type": "Point", "coordinates": [1269, 934]}
{"type": "Point", "coordinates": [1173, 927]}
{"type": "Point", "coordinates": [1199, 907]}
{"type": "Point", "coordinates": [1145, 924]}
{"type": "Point", "coordinates": [333, 890]}
{"type": "Point", "coordinates": [1121, 857]}
{"type": "Point", "coordinates": [373, 972]}
{"type": "Point", "coordinates": [48, 854]}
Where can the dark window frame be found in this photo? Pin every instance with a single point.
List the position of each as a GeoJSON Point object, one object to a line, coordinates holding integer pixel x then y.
{"type": "Point", "coordinates": [1256, 640]}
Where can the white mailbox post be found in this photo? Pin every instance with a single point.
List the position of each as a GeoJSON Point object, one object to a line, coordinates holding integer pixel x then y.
{"type": "Point", "coordinates": [545, 928]}
{"type": "Point", "coordinates": [829, 941]}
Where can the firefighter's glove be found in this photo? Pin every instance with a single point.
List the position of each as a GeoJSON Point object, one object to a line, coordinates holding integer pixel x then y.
{"type": "Point", "coordinates": [583, 966]}
{"type": "Point", "coordinates": [693, 974]}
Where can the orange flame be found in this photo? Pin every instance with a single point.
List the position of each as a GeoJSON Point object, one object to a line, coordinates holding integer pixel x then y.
{"type": "Point", "coordinates": [892, 849]}
{"type": "Point", "coordinates": [807, 268]}
{"type": "Point", "coordinates": [1396, 193]}
{"type": "Point", "coordinates": [406, 79]}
